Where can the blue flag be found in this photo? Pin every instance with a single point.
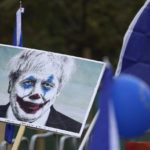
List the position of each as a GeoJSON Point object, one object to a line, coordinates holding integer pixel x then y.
{"type": "Point", "coordinates": [135, 53]}
{"type": "Point", "coordinates": [17, 41]}
{"type": "Point", "coordinates": [105, 134]}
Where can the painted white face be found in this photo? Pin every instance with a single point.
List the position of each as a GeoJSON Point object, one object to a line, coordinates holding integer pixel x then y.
{"type": "Point", "coordinates": [33, 94]}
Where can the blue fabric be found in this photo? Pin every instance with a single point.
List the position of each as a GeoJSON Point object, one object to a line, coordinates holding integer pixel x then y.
{"type": "Point", "coordinates": [136, 60]}
{"type": "Point", "coordinates": [9, 129]}
{"type": "Point", "coordinates": [100, 134]}
{"type": "Point", "coordinates": [15, 37]}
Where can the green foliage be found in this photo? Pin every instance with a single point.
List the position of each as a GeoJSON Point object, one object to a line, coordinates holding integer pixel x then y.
{"type": "Point", "coordinates": [71, 26]}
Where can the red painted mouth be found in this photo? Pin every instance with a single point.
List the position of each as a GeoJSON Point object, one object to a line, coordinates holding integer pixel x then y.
{"type": "Point", "coordinates": [29, 107]}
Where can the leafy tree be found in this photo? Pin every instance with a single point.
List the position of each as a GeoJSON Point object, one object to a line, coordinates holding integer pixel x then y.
{"type": "Point", "coordinates": [79, 27]}
{"type": "Point", "coordinates": [71, 26]}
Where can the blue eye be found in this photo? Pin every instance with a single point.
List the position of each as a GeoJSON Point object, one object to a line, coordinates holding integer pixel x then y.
{"type": "Point", "coordinates": [27, 84]}
{"type": "Point", "coordinates": [46, 86]}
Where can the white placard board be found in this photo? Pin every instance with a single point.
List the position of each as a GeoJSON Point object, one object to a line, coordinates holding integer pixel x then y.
{"type": "Point", "coordinates": [47, 90]}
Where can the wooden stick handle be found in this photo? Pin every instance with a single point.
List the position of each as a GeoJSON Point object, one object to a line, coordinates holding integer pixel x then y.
{"type": "Point", "coordinates": [18, 137]}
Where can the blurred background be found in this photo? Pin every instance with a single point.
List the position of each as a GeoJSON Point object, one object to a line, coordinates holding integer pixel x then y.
{"type": "Point", "coordinates": [85, 28]}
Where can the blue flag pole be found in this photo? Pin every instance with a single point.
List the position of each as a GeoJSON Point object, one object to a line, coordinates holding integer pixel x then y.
{"type": "Point", "coordinates": [17, 41]}
{"type": "Point", "coordinates": [105, 134]}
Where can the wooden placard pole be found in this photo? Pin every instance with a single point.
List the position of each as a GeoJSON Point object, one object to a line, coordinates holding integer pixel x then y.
{"type": "Point", "coordinates": [2, 131]}
{"type": "Point", "coordinates": [18, 137]}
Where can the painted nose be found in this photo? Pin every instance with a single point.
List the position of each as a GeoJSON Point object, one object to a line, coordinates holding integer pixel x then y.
{"type": "Point", "coordinates": [34, 97]}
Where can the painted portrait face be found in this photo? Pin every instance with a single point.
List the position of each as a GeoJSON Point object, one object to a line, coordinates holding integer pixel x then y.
{"type": "Point", "coordinates": [33, 94]}
{"type": "Point", "coordinates": [35, 80]}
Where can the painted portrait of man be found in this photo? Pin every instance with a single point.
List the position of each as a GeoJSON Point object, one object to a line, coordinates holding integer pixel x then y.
{"type": "Point", "coordinates": [36, 79]}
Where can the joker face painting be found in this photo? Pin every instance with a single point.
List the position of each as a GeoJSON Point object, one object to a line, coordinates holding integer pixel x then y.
{"type": "Point", "coordinates": [33, 94]}
{"type": "Point", "coordinates": [36, 79]}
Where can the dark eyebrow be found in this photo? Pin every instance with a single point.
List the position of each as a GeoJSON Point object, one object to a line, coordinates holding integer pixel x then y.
{"type": "Point", "coordinates": [30, 78]}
